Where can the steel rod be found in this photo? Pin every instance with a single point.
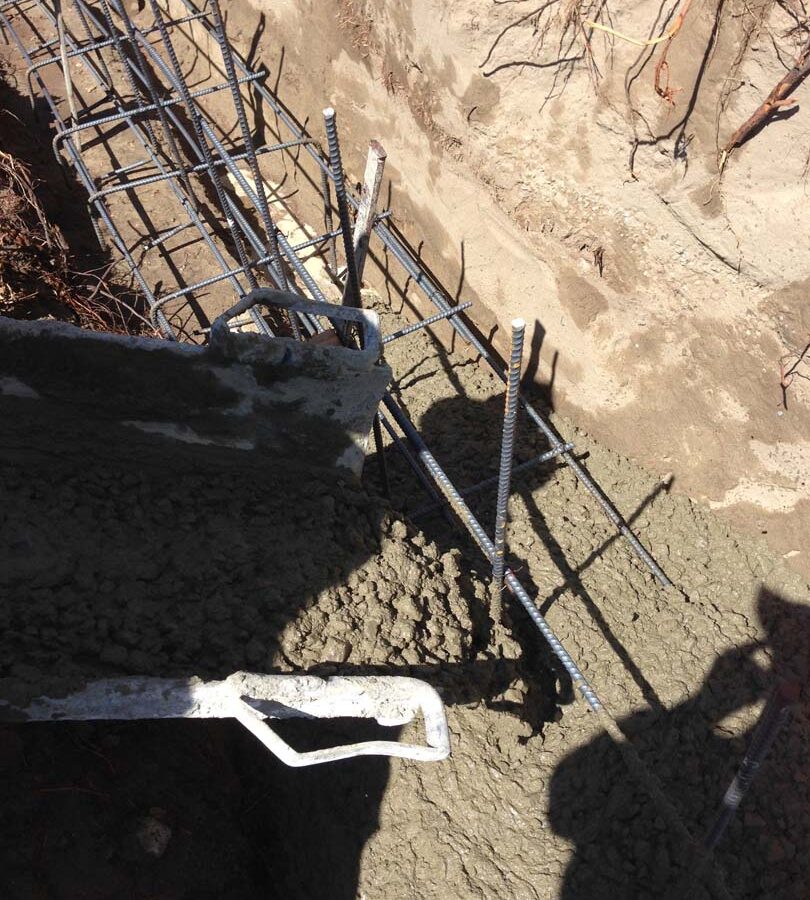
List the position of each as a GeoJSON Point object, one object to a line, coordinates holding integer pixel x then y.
{"type": "Point", "coordinates": [493, 480]}
{"type": "Point", "coordinates": [316, 240]}
{"type": "Point", "coordinates": [174, 173]}
{"type": "Point", "coordinates": [424, 323]}
{"type": "Point", "coordinates": [146, 108]}
{"type": "Point", "coordinates": [507, 454]}
{"type": "Point", "coordinates": [519, 469]}
{"type": "Point", "coordinates": [328, 224]}
{"type": "Point", "coordinates": [417, 469]}
{"type": "Point", "coordinates": [351, 294]}
{"type": "Point", "coordinates": [253, 162]}
{"type": "Point", "coordinates": [486, 546]}
{"type": "Point", "coordinates": [379, 449]}
{"type": "Point", "coordinates": [773, 719]}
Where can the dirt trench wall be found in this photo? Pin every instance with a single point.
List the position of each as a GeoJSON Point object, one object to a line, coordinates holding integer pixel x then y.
{"type": "Point", "coordinates": [256, 403]}
{"type": "Point", "coordinates": [540, 180]}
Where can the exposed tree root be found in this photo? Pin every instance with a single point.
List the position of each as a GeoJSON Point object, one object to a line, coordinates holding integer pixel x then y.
{"type": "Point", "coordinates": [37, 274]}
{"type": "Point", "coordinates": [775, 101]}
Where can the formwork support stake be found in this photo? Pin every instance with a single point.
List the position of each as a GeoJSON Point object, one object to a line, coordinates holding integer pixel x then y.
{"type": "Point", "coordinates": [364, 223]}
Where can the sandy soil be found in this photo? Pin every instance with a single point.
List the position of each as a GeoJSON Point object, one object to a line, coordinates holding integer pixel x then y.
{"type": "Point", "coordinates": [661, 299]}
{"type": "Point", "coordinates": [105, 572]}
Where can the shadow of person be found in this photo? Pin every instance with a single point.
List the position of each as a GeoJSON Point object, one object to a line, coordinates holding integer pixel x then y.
{"type": "Point", "coordinates": [464, 432]}
{"type": "Point", "coordinates": [110, 570]}
{"type": "Point", "coordinates": [622, 846]}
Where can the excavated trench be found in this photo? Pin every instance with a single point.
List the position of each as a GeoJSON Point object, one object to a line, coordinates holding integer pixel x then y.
{"type": "Point", "coordinates": [106, 569]}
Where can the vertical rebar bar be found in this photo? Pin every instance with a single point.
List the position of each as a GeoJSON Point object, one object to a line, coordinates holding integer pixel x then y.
{"type": "Point", "coordinates": [202, 143]}
{"type": "Point", "coordinates": [253, 161]}
{"type": "Point", "coordinates": [152, 91]}
{"type": "Point", "coordinates": [771, 721]}
{"type": "Point", "coordinates": [507, 454]}
{"type": "Point", "coordinates": [382, 463]}
{"type": "Point", "coordinates": [328, 222]}
{"type": "Point", "coordinates": [351, 296]}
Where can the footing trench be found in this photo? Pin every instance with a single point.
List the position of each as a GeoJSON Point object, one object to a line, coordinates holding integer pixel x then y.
{"type": "Point", "coordinates": [217, 176]}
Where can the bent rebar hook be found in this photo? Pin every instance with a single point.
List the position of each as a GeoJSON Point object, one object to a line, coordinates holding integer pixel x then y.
{"type": "Point", "coordinates": [367, 320]}
{"type": "Point", "coordinates": [251, 699]}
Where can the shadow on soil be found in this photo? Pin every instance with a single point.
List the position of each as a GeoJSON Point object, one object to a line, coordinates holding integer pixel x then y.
{"type": "Point", "coordinates": [623, 848]}
{"type": "Point", "coordinates": [243, 825]}
{"type": "Point", "coordinates": [125, 572]}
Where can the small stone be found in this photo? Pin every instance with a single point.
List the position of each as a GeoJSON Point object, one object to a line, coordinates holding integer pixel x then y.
{"type": "Point", "coordinates": [153, 836]}
{"type": "Point", "coordinates": [398, 530]}
{"type": "Point", "coordinates": [337, 650]}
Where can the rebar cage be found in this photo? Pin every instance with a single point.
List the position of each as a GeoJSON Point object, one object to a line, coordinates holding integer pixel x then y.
{"type": "Point", "coordinates": [135, 119]}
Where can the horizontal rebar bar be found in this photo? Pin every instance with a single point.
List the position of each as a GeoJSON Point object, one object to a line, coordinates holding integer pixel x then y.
{"type": "Point", "coordinates": [100, 45]}
{"type": "Point", "coordinates": [167, 235]}
{"type": "Point", "coordinates": [521, 467]}
{"type": "Point", "coordinates": [207, 282]}
{"type": "Point", "coordinates": [175, 173]}
{"type": "Point", "coordinates": [316, 240]}
{"type": "Point", "coordinates": [146, 108]}
{"type": "Point", "coordinates": [492, 481]}
{"type": "Point", "coordinates": [424, 323]}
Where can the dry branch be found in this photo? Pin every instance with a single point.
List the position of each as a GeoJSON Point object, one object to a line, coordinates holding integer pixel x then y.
{"type": "Point", "coordinates": [778, 97]}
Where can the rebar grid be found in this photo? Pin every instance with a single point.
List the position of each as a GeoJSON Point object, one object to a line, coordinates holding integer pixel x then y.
{"type": "Point", "coordinates": [156, 88]}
